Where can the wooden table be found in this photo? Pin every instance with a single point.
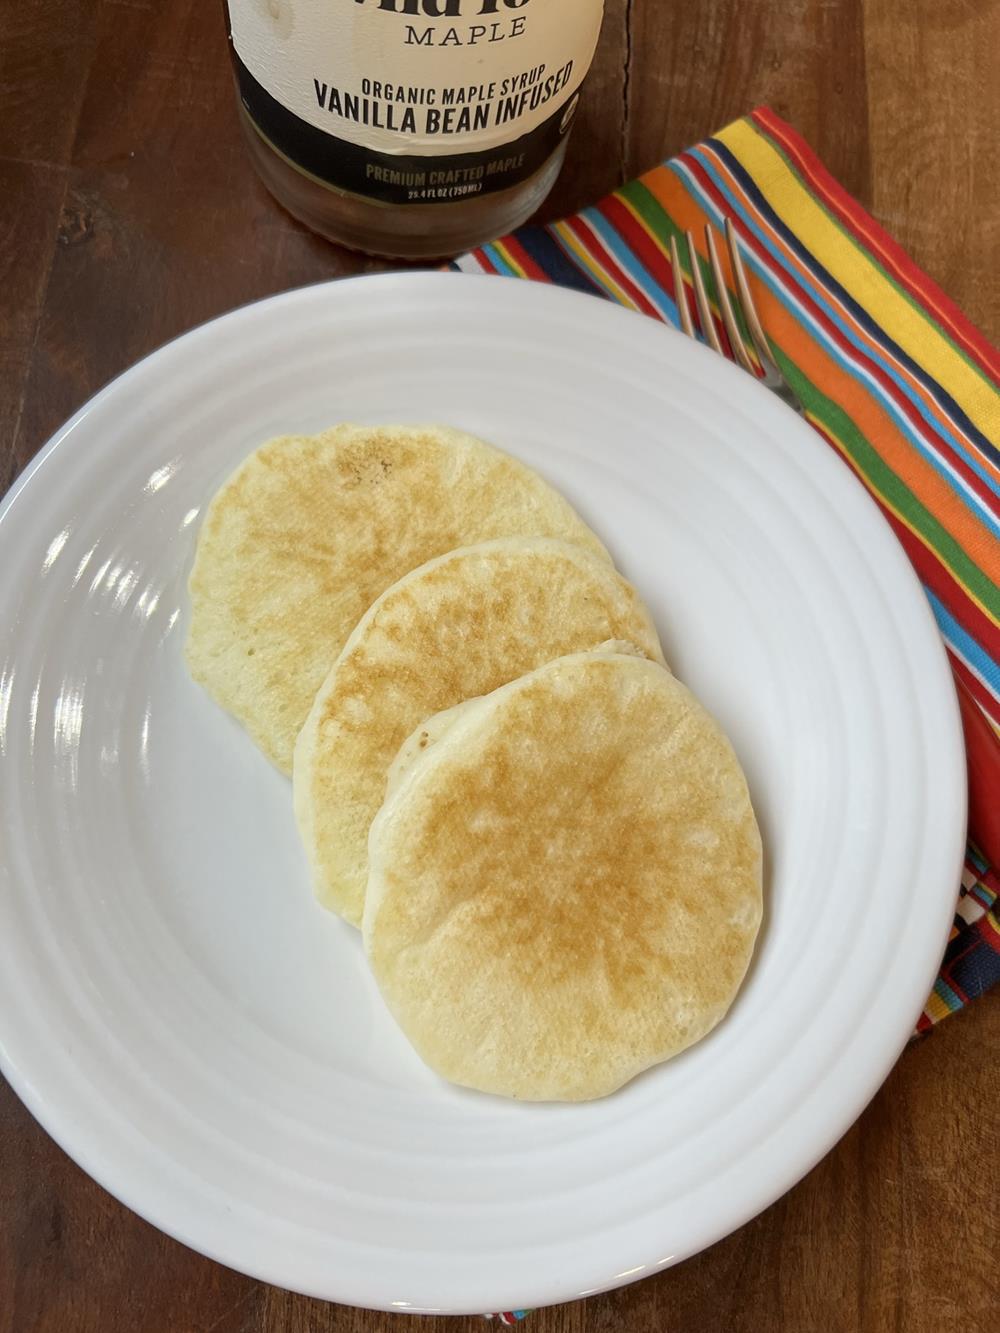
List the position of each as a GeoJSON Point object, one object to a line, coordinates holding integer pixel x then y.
{"type": "Point", "coordinates": [128, 214]}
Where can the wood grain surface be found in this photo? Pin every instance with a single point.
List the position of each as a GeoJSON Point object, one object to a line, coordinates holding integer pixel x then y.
{"type": "Point", "coordinates": [128, 213]}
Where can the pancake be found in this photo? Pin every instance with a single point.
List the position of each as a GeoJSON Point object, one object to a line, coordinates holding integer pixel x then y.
{"type": "Point", "coordinates": [565, 881]}
{"type": "Point", "coordinates": [458, 626]}
{"type": "Point", "coordinates": [309, 530]}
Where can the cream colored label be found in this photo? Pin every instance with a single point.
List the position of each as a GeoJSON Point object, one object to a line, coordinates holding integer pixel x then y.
{"type": "Point", "coordinates": [419, 77]}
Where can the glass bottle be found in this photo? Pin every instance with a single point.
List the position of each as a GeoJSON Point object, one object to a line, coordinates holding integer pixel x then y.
{"type": "Point", "coordinates": [410, 128]}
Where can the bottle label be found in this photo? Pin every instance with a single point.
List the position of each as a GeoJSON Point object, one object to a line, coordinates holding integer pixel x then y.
{"type": "Point", "coordinates": [413, 101]}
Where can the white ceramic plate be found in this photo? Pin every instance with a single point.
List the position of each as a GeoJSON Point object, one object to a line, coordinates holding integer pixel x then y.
{"type": "Point", "coordinates": [207, 1043]}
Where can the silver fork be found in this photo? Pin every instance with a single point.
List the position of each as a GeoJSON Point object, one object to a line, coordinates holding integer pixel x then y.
{"type": "Point", "coordinates": [772, 377]}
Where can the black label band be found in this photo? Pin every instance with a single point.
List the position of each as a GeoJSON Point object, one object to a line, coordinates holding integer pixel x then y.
{"type": "Point", "coordinates": [396, 178]}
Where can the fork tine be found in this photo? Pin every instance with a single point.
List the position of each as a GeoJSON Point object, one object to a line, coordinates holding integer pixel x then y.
{"type": "Point", "coordinates": [701, 299]}
{"type": "Point", "coordinates": [680, 292]}
{"type": "Point", "coordinates": [725, 305]}
{"type": "Point", "coordinates": [760, 340]}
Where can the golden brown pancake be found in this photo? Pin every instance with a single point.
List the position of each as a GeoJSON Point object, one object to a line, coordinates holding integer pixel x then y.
{"type": "Point", "coordinates": [457, 627]}
{"type": "Point", "coordinates": [309, 530]}
{"type": "Point", "coordinates": [565, 881]}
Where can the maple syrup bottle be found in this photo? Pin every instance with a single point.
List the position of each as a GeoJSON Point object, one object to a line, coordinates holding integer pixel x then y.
{"type": "Point", "coordinates": [410, 128]}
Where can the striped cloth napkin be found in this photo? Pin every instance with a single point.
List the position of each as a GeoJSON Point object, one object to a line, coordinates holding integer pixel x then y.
{"type": "Point", "coordinates": [892, 375]}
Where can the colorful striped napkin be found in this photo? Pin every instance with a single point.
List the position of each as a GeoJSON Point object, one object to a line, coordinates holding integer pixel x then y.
{"type": "Point", "coordinates": [893, 377]}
